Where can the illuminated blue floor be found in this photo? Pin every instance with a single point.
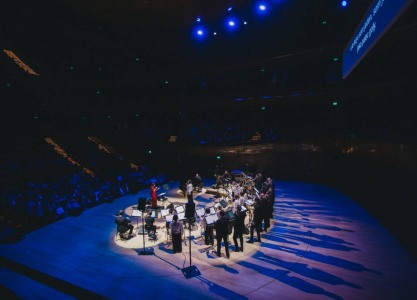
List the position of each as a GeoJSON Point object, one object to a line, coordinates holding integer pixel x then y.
{"type": "Point", "coordinates": [322, 245]}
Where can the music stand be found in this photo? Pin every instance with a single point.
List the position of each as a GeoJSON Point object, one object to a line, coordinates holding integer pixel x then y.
{"type": "Point", "coordinates": [191, 271]}
{"type": "Point", "coordinates": [144, 251]}
{"type": "Point", "coordinates": [211, 219]}
{"type": "Point", "coordinates": [212, 210]}
{"type": "Point", "coordinates": [164, 212]}
{"type": "Point", "coordinates": [223, 203]}
{"type": "Point", "coordinates": [200, 212]}
{"type": "Point", "coordinates": [136, 213]}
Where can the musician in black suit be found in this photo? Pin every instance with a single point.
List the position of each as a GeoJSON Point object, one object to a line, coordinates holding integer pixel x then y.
{"type": "Point", "coordinates": [258, 180]}
{"type": "Point", "coordinates": [222, 233]}
{"type": "Point", "coordinates": [208, 229]}
{"type": "Point", "coordinates": [177, 230]}
{"type": "Point", "coordinates": [265, 211]}
{"type": "Point", "coordinates": [198, 183]}
{"type": "Point", "coordinates": [123, 224]}
{"type": "Point", "coordinates": [149, 220]}
{"type": "Point", "coordinates": [271, 194]}
{"type": "Point", "coordinates": [256, 221]}
{"type": "Point", "coordinates": [239, 228]}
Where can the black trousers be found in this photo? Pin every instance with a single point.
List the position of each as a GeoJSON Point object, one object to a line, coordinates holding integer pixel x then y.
{"type": "Point", "coordinates": [238, 235]}
{"type": "Point", "coordinates": [208, 236]}
{"type": "Point", "coordinates": [176, 242]}
{"type": "Point", "coordinates": [256, 226]}
{"type": "Point", "coordinates": [130, 226]}
{"type": "Point", "coordinates": [190, 198]}
{"type": "Point", "coordinates": [219, 244]}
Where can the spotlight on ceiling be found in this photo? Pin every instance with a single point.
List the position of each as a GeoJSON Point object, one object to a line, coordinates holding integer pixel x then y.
{"type": "Point", "coordinates": [199, 32]}
{"type": "Point", "coordinates": [261, 8]}
{"type": "Point", "coordinates": [344, 3]}
{"type": "Point", "coordinates": [231, 23]}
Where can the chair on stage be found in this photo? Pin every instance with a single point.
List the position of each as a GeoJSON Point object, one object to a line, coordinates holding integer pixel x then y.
{"type": "Point", "coordinates": [152, 234]}
{"type": "Point", "coordinates": [122, 232]}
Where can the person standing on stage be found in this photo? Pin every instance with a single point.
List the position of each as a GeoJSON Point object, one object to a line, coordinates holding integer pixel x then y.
{"type": "Point", "coordinates": [189, 190]}
{"type": "Point", "coordinates": [264, 203]}
{"type": "Point", "coordinates": [177, 230]}
{"type": "Point", "coordinates": [222, 233]}
{"type": "Point", "coordinates": [256, 222]}
{"type": "Point", "coordinates": [154, 197]}
{"type": "Point", "coordinates": [258, 180]}
{"type": "Point", "coordinates": [208, 229]}
{"type": "Point", "coordinates": [198, 183]}
{"type": "Point", "coordinates": [271, 195]}
{"type": "Point", "coordinates": [239, 228]}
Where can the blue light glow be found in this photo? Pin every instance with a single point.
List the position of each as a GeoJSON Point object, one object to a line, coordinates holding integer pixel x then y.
{"type": "Point", "coordinates": [231, 23]}
{"type": "Point", "coordinates": [344, 3]}
{"type": "Point", "coordinates": [199, 32]}
{"type": "Point", "coordinates": [261, 8]}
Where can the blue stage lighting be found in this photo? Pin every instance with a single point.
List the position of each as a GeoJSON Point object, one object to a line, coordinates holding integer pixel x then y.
{"type": "Point", "coordinates": [198, 19]}
{"type": "Point", "coordinates": [344, 3]}
{"type": "Point", "coordinates": [199, 32]}
{"type": "Point", "coordinates": [231, 23]}
{"type": "Point", "coordinates": [261, 7]}
{"type": "Point", "coordinates": [230, 8]}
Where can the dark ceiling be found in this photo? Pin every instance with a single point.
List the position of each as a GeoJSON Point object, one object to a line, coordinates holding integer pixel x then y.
{"type": "Point", "coordinates": [124, 49]}
{"type": "Point", "coordinates": [54, 34]}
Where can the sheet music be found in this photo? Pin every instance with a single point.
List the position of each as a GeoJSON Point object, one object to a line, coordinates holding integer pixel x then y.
{"type": "Point", "coordinates": [136, 213]}
{"type": "Point", "coordinates": [212, 210]}
{"type": "Point", "coordinates": [168, 218]}
{"type": "Point", "coordinates": [154, 215]}
{"type": "Point", "coordinates": [200, 212]}
{"type": "Point", "coordinates": [181, 216]}
{"type": "Point", "coordinates": [210, 219]}
{"type": "Point", "coordinates": [164, 212]}
{"type": "Point", "coordinates": [180, 209]}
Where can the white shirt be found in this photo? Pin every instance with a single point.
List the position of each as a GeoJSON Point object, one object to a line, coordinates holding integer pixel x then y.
{"type": "Point", "coordinates": [189, 188]}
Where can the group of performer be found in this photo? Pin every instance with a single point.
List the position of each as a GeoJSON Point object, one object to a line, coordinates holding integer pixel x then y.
{"type": "Point", "coordinates": [247, 196]}
{"type": "Point", "coordinates": [253, 197]}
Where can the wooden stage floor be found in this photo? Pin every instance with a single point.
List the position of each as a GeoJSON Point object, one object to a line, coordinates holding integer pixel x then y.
{"type": "Point", "coordinates": [321, 246]}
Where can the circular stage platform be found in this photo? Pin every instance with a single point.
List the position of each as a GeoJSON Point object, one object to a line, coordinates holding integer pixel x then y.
{"type": "Point", "coordinates": [206, 198]}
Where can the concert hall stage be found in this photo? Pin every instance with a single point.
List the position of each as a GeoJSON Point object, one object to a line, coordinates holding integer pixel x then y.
{"type": "Point", "coordinates": [321, 245]}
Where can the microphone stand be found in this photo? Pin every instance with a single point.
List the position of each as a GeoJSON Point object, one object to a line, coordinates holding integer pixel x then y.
{"type": "Point", "coordinates": [144, 251]}
{"type": "Point", "coordinates": [191, 271]}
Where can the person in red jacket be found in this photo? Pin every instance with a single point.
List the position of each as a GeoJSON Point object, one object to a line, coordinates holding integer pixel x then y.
{"type": "Point", "coordinates": [154, 197]}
